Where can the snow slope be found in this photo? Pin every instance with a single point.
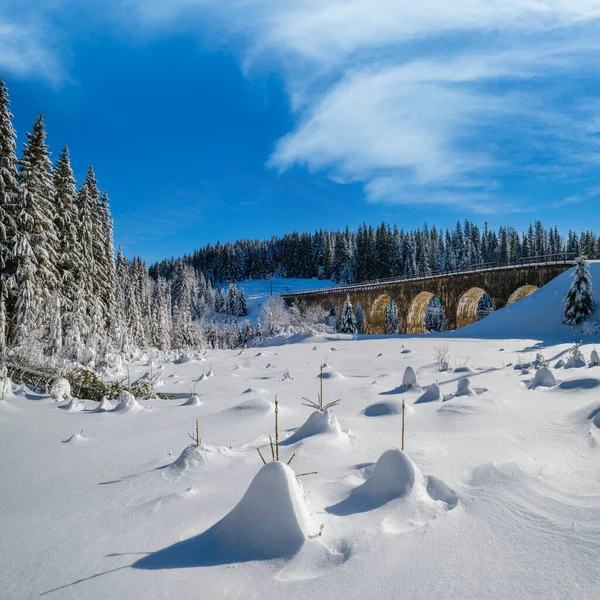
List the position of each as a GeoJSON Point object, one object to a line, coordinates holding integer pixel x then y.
{"type": "Point", "coordinates": [497, 493]}
{"type": "Point", "coordinates": [538, 316]}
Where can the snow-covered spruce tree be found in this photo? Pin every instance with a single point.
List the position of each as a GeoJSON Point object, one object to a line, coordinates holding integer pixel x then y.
{"type": "Point", "coordinates": [161, 314]}
{"type": "Point", "coordinates": [27, 301]}
{"type": "Point", "coordinates": [106, 267]}
{"type": "Point", "coordinates": [9, 187]}
{"type": "Point", "coordinates": [579, 301]}
{"type": "Point", "coordinates": [66, 222]}
{"type": "Point", "coordinates": [35, 219]}
{"type": "Point", "coordinates": [87, 201]}
{"type": "Point", "coordinates": [347, 318]}
{"type": "Point", "coordinates": [392, 320]}
{"type": "Point", "coordinates": [232, 300]}
{"type": "Point", "coordinates": [241, 308]}
{"type": "Point", "coordinates": [360, 318]}
{"type": "Point", "coordinates": [182, 308]}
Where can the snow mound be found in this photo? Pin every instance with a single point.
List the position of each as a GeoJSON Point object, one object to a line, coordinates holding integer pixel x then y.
{"type": "Point", "coordinates": [594, 417]}
{"type": "Point", "coordinates": [253, 405]}
{"type": "Point", "coordinates": [406, 351]}
{"type": "Point", "coordinates": [319, 423]}
{"type": "Point", "coordinates": [191, 457]}
{"type": "Point", "coordinates": [272, 520]}
{"type": "Point", "coordinates": [585, 383]}
{"type": "Point", "coordinates": [431, 394]}
{"type": "Point", "coordinates": [409, 379]}
{"type": "Point", "coordinates": [73, 405]}
{"type": "Point", "coordinates": [463, 387]}
{"type": "Point", "coordinates": [383, 409]}
{"type": "Point", "coordinates": [104, 406]}
{"type": "Point", "coordinates": [463, 369]}
{"type": "Point", "coordinates": [594, 359]}
{"type": "Point", "coordinates": [251, 390]}
{"type": "Point", "coordinates": [193, 400]}
{"type": "Point", "coordinates": [544, 378]}
{"type": "Point", "coordinates": [560, 363]}
{"type": "Point", "coordinates": [75, 439]}
{"type": "Point", "coordinates": [127, 404]}
{"type": "Point", "coordinates": [394, 476]}
{"type": "Point", "coordinates": [60, 390]}
{"type": "Point", "coordinates": [575, 362]}
{"type": "Point", "coordinates": [330, 374]}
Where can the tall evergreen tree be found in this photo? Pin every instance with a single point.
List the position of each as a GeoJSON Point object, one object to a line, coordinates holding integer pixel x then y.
{"type": "Point", "coordinates": [9, 187]}
{"type": "Point", "coordinates": [35, 218]}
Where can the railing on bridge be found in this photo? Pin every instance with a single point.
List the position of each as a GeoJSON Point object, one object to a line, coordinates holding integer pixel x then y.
{"type": "Point", "coordinates": [566, 258]}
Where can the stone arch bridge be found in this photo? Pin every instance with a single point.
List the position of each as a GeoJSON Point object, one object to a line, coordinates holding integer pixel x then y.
{"type": "Point", "coordinates": [459, 293]}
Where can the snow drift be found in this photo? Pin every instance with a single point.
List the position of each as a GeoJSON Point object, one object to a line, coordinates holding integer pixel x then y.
{"type": "Point", "coordinates": [127, 404]}
{"type": "Point", "coordinates": [431, 394]}
{"type": "Point", "coordinates": [395, 477]}
{"type": "Point", "coordinates": [272, 520]}
{"type": "Point", "coordinates": [319, 423]}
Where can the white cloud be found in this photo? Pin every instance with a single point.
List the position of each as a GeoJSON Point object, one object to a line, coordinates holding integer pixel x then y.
{"type": "Point", "coordinates": [25, 51]}
{"type": "Point", "coordinates": [425, 102]}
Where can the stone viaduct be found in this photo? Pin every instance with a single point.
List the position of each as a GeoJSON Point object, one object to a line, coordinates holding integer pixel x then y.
{"type": "Point", "coordinates": [458, 292]}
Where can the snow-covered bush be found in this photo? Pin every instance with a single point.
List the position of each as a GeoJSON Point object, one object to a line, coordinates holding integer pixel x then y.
{"type": "Point", "coordinates": [279, 319]}
{"type": "Point", "coordinates": [544, 378]}
{"type": "Point", "coordinates": [442, 357]}
{"type": "Point", "coordinates": [579, 301]}
{"type": "Point", "coordinates": [60, 390]}
{"type": "Point", "coordinates": [594, 358]}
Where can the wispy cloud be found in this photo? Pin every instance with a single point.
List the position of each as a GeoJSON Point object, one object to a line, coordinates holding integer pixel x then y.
{"type": "Point", "coordinates": [433, 101]}
{"type": "Point", "coordinates": [26, 49]}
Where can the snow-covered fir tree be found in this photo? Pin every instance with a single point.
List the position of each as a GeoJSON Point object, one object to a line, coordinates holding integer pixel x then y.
{"type": "Point", "coordinates": [183, 335]}
{"type": "Point", "coordinates": [347, 318]}
{"type": "Point", "coordinates": [579, 301]}
{"type": "Point", "coordinates": [9, 187]}
{"type": "Point", "coordinates": [392, 320]}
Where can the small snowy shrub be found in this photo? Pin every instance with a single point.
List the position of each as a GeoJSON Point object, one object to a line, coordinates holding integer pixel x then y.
{"type": "Point", "coordinates": [60, 390]}
{"type": "Point", "coordinates": [594, 359]}
{"type": "Point", "coordinates": [544, 378]}
{"type": "Point", "coordinates": [442, 356]}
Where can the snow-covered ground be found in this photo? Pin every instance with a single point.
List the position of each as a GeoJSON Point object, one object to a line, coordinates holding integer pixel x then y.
{"type": "Point", "coordinates": [496, 496]}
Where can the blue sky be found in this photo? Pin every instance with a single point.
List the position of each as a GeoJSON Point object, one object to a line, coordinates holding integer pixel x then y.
{"type": "Point", "coordinates": [210, 120]}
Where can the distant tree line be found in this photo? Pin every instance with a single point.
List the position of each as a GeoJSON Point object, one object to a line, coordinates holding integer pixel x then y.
{"type": "Point", "coordinates": [375, 253]}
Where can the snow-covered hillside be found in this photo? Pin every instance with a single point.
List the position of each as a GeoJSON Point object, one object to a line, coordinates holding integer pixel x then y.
{"type": "Point", "coordinates": [259, 290]}
{"type": "Point", "coordinates": [538, 316]}
{"type": "Point", "coordinates": [497, 494]}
